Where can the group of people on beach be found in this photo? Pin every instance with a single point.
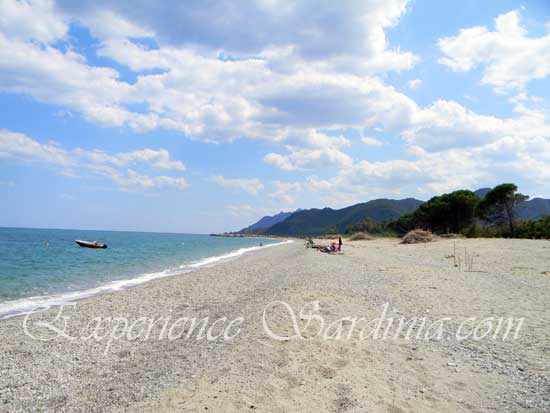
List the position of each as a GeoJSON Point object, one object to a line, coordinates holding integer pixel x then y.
{"type": "Point", "coordinates": [333, 248]}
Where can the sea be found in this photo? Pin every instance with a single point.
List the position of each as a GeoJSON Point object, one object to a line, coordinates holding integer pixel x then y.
{"type": "Point", "coordinates": [40, 268]}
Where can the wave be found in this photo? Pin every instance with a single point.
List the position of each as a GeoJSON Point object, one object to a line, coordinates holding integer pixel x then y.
{"type": "Point", "coordinates": [22, 306]}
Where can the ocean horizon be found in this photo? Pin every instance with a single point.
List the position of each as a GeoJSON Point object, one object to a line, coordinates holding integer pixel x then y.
{"type": "Point", "coordinates": [40, 267]}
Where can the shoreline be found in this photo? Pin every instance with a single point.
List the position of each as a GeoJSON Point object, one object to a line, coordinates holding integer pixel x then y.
{"type": "Point", "coordinates": [25, 305]}
{"type": "Point", "coordinates": [153, 375]}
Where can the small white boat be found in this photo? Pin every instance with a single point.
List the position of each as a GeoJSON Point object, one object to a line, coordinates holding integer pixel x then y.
{"type": "Point", "coordinates": [90, 244]}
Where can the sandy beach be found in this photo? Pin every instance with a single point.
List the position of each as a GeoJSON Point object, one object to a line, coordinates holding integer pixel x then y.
{"type": "Point", "coordinates": [254, 371]}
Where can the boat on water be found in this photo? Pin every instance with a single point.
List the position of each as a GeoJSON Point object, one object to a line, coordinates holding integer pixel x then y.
{"type": "Point", "coordinates": [90, 244]}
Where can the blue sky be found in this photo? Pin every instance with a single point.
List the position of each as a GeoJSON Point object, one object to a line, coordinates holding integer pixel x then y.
{"type": "Point", "coordinates": [203, 116]}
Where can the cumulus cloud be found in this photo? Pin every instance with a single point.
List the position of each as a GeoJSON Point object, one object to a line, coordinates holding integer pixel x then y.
{"type": "Point", "coordinates": [308, 71]}
{"type": "Point", "coordinates": [447, 124]}
{"type": "Point", "coordinates": [427, 174]}
{"type": "Point", "coordinates": [155, 158]}
{"type": "Point", "coordinates": [280, 161]}
{"type": "Point", "coordinates": [32, 20]}
{"type": "Point", "coordinates": [525, 157]}
{"type": "Point", "coordinates": [250, 185]}
{"type": "Point", "coordinates": [209, 90]}
{"type": "Point", "coordinates": [74, 162]}
{"type": "Point", "coordinates": [53, 76]}
{"type": "Point", "coordinates": [309, 159]}
{"type": "Point", "coordinates": [356, 29]}
{"type": "Point", "coordinates": [215, 99]}
{"type": "Point", "coordinates": [509, 57]}
{"type": "Point", "coordinates": [309, 149]}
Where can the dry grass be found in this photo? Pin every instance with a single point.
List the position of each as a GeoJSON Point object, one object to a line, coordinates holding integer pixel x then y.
{"type": "Point", "coordinates": [417, 236]}
{"type": "Point", "coordinates": [360, 236]}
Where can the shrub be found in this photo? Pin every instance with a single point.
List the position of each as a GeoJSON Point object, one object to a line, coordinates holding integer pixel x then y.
{"type": "Point", "coordinates": [360, 236]}
{"type": "Point", "coordinates": [417, 236]}
{"type": "Point", "coordinates": [539, 229]}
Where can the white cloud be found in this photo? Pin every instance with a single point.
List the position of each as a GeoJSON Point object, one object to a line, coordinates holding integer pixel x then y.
{"type": "Point", "coordinates": [131, 180]}
{"type": "Point", "coordinates": [447, 124]}
{"type": "Point", "coordinates": [154, 158]}
{"type": "Point", "coordinates": [428, 174]}
{"type": "Point", "coordinates": [509, 57]}
{"type": "Point", "coordinates": [280, 161]}
{"type": "Point", "coordinates": [76, 162]}
{"type": "Point", "coordinates": [63, 78]}
{"type": "Point", "coordinates": [250, 185]}
{"type": "Point", "coordinates": [290, 84]}
{"type": "Point", "coordinates": [356, 29]}
{"type": "Point", "coordinates": [31, 20]}
{"type": "Point", "coordinates": [309, 149]}
{"type": "Point", "coordinates": [201, 94]}
{"type": "Point", "coordinates": [106, 24]}
{"type": "Point", "coordinates": [309, 159]}
{"type": "Point", "coordinates": [371, 141]}
{"type": "Point", "coordinates": [414, 83]}
{"type": "Point", "coordinates": [526, 158]}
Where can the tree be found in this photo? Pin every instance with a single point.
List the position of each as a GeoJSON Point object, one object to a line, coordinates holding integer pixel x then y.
{"type": "Point", "coordinates": [499, 205]}
{"type": "Point", "coordinates": [448, 212]}
{"type": "Point", "coordinates": [403, 224]}
{"type": "Point", "coordinates": [444, 213]}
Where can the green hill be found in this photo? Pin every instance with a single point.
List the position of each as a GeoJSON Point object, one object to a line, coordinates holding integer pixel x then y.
{"type": "Point", "coordinates": [321, 221]}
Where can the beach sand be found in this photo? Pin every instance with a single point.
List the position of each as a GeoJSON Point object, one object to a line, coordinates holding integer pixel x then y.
{"type": "Point", "coordinates": [508, 278]}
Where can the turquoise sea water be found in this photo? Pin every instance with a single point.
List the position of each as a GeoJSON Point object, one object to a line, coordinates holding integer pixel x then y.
{"type": "Point", "coordinates": [41, 265]}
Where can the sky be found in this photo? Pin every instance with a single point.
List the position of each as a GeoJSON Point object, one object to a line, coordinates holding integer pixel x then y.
{"type": "Point", "coordinates": [198, 117]}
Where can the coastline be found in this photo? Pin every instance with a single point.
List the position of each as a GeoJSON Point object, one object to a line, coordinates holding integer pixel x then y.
{"type": "Point", "coordinates": [255, 372]}
{"type": "Point", "coordinates": [21, 307]}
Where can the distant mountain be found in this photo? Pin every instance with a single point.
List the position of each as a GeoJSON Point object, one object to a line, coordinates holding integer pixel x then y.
{"type": "Point", "coordinates": [311, 222]}
{"type": "Point", "coordinates": [481, 192]}
{"type": "Point", "coordinates": [266, 223]}
{"type": "Point", "coordinates": [532, 209]}
{"type": "Point", "coordinates": [320, 221]}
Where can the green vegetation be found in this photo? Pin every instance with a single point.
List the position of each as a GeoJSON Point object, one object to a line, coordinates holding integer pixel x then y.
{"type": "Point", "coordinates": [533, 229]}
{"type": "Point", "coordinates": [441, 214]}
{"type": "Point", "coordinates": [465, 213]}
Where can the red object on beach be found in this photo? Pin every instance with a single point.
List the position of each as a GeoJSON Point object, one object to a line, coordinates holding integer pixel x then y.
{"type": "Point", "coordinates": [89, 244]}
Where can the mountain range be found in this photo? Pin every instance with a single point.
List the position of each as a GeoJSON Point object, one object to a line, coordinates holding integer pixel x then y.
{"type": "Point", "coordinates": [315, 221]}
{"type": "Point", "coordinates": [320, 221]}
